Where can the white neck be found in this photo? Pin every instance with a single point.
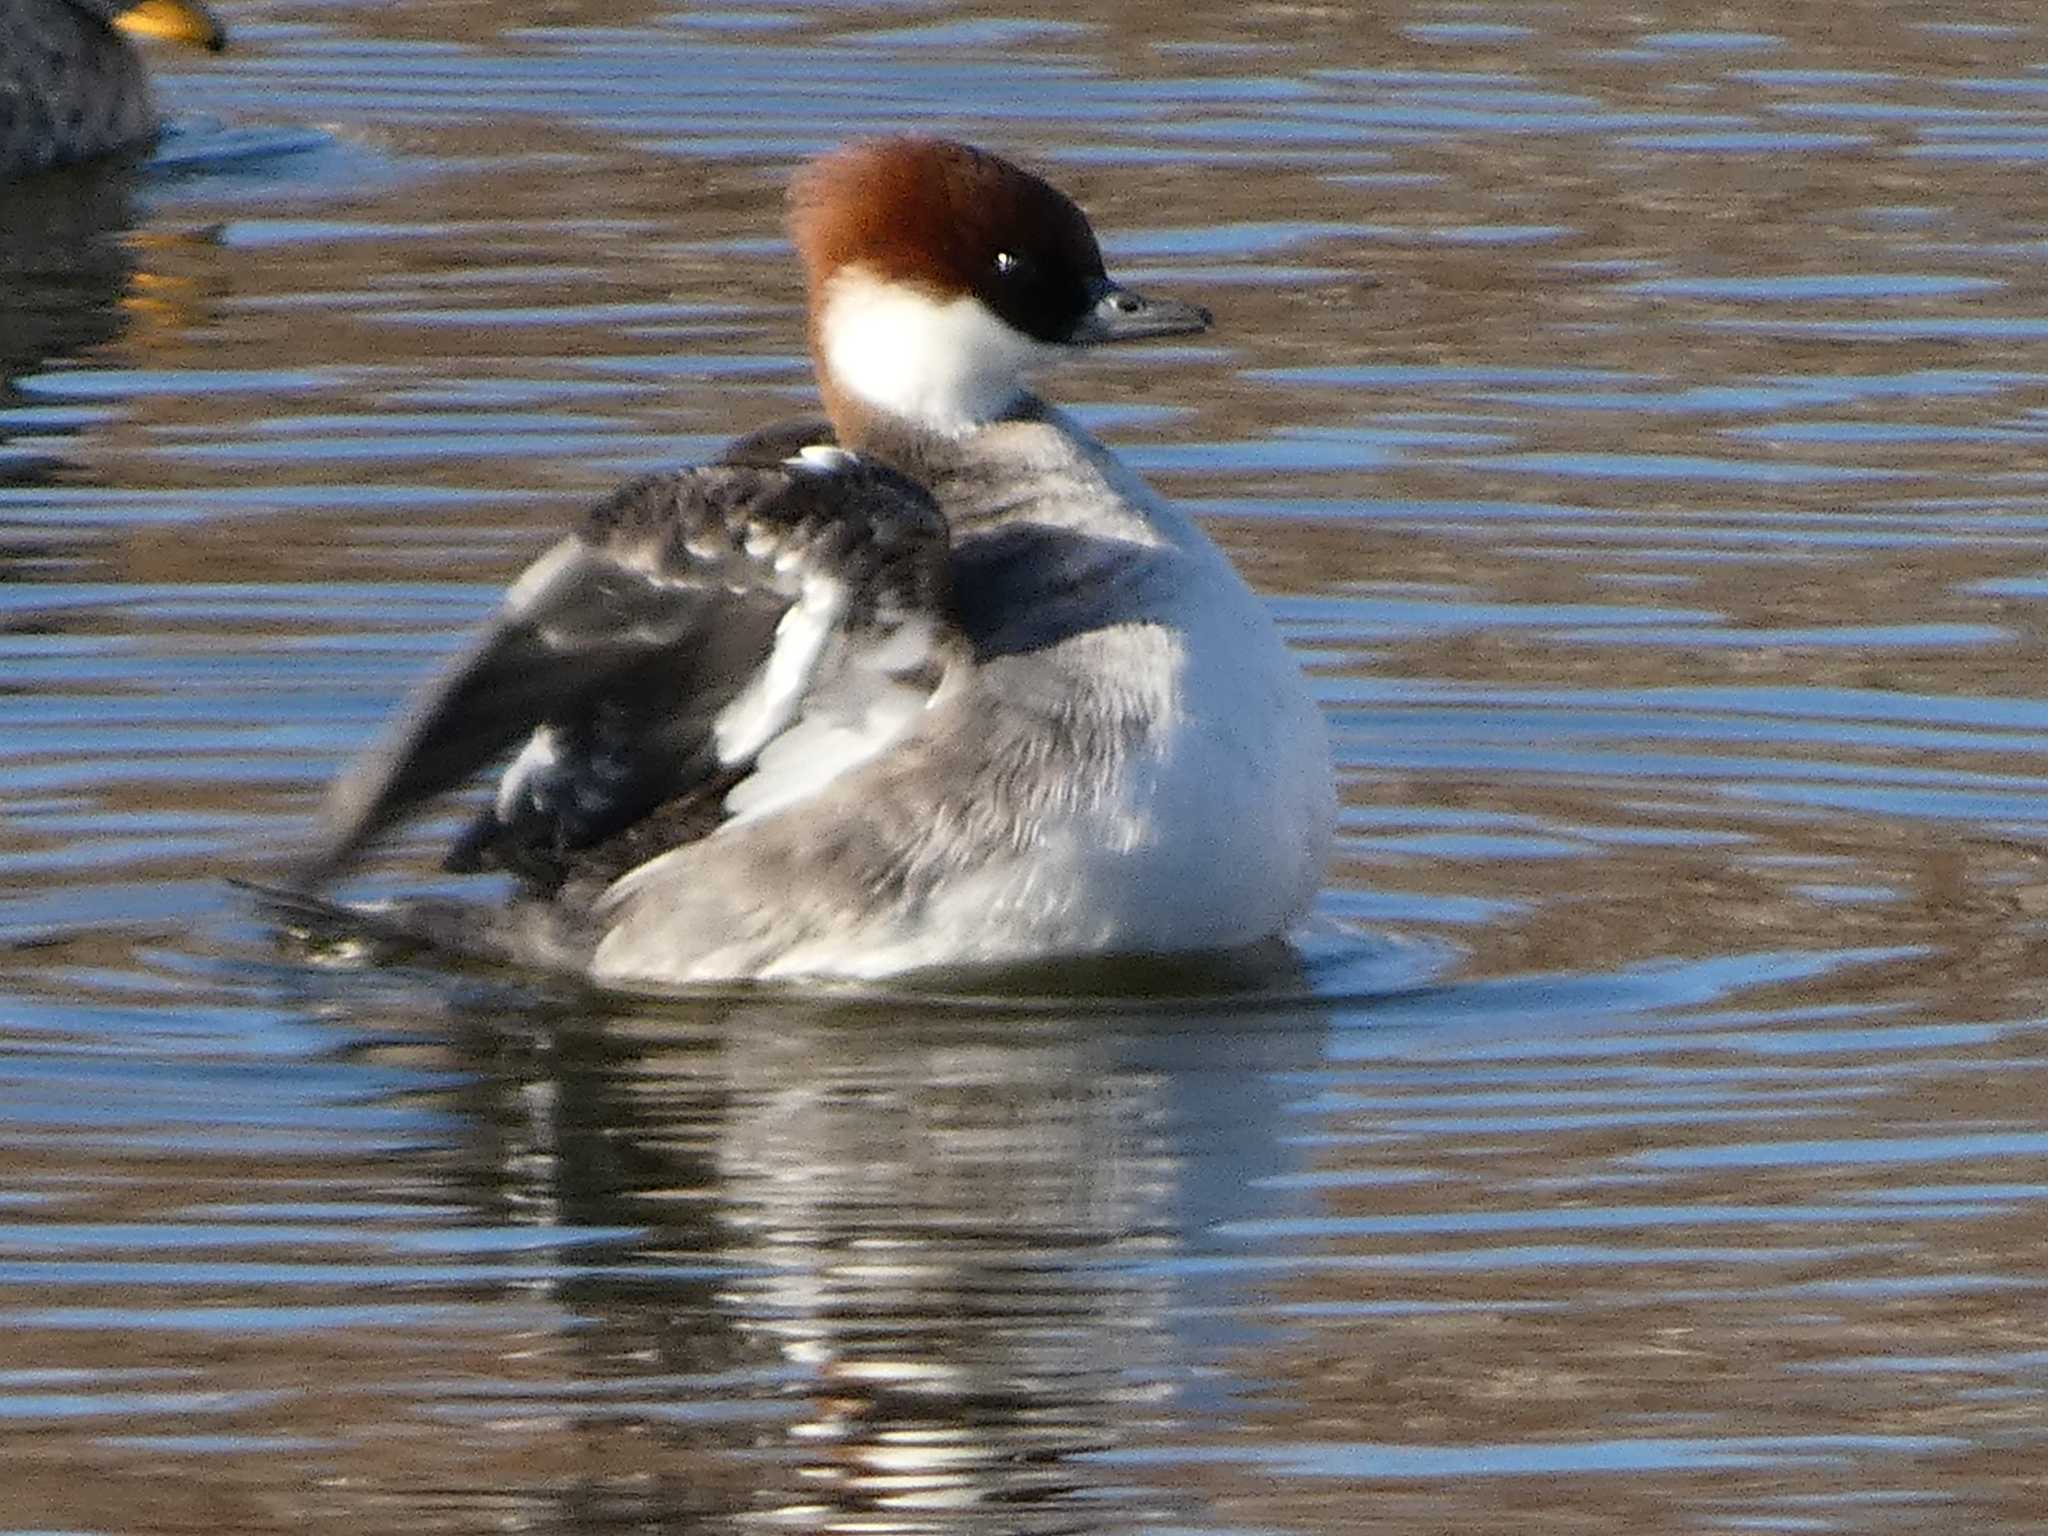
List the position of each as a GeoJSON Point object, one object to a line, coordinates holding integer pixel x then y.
{"type": "Point", "coordinates": [949, 365]}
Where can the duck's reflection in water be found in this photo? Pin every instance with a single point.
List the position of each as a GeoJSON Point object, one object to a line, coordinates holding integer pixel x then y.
{"type": "Point", "coordinates": [64, 266]}
{"type": "Point", "coordinates": [76, 275]}
{"type": "Point", "coordinates": [902, 1266]}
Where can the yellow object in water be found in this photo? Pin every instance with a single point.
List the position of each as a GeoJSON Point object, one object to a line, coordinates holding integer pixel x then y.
{"type": "Point", "coordinates": [73, 87]}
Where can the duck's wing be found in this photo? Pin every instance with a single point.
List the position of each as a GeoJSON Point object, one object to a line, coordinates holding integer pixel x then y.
{"type": "Point", "coordinates": [735, 634]}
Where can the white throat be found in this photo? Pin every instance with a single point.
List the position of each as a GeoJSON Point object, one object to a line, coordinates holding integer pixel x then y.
{"type": "Point", "coordinates": [947, 364]}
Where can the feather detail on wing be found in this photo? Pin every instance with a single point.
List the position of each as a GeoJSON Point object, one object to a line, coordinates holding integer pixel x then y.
{"type": "Point", "coordinates": [736, 627]}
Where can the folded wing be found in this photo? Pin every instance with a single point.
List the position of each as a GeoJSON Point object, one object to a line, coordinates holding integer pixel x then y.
{"type": "Point", "coordinates": [727, 638]}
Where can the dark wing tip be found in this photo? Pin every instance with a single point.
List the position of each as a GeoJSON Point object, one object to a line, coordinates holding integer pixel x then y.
{"type": "Point", "coordinates": [766, 447]}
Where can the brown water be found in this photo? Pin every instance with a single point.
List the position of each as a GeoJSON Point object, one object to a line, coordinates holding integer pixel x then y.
{"type": "Point", "coordinates": [1637, 416]}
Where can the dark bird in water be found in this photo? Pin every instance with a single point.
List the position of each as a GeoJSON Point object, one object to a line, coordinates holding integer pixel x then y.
{"type": "Point", "coordinates": [72, 85]}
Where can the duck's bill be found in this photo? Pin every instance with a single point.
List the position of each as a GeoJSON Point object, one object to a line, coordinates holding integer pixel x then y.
{"type": "Point", "coordinates": [175, 21]}
{"type": "Point", "coordinates": [1122, 314]}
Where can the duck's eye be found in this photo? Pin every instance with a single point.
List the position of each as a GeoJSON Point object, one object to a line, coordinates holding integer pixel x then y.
{"type": "Point", "coordinates": [1008, 263]}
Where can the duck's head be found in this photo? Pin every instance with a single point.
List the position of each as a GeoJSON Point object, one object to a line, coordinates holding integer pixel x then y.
{"type": "Point", "coordinates": [940, 276]}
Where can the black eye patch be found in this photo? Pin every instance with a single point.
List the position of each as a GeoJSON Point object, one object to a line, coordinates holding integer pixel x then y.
{"type": "Point", "coordinates": [1044, 298]}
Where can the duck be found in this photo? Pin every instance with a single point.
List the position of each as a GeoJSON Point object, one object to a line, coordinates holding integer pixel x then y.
{"type": "Point", "coordinates": [72, 86]}
{"type": "Point", "coordinates": [933, 682]}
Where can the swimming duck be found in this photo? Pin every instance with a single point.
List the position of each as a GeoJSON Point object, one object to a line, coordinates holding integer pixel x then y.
{"type": "Point", "coordinates": [935, 682]}
{"type": "Point", "coordinates": [72, 87]}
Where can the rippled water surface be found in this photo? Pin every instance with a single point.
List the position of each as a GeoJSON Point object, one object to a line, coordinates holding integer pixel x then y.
{"type": "Point", "coordinates": [1636, 415]}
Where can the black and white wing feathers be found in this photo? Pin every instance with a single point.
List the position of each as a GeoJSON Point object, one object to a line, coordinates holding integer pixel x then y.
{"type": "Point", "coordinates": [734, 633]}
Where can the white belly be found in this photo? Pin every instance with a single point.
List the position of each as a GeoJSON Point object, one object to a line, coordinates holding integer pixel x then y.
{"type": "Point", "coordinates": [1211, 833]}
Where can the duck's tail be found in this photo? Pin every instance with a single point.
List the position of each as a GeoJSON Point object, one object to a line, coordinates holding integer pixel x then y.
{"type": "Point", "coordinates": [531, 935]}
